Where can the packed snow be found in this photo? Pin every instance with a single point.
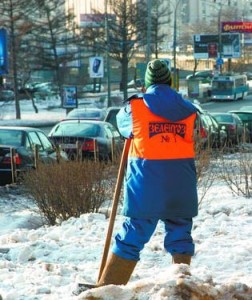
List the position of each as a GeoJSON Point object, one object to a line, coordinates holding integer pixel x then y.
{"type": "Point", "coordinates": [43, 262]}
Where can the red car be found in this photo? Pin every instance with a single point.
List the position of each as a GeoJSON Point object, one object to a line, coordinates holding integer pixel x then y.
{"type": "Point", "coordinates": [97, 138]}
{"type": "Point", "coordinates": [233, 126]}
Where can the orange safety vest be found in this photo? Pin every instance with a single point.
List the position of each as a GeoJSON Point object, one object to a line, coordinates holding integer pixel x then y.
{"type": "Point", "coordinates": [157, 138]}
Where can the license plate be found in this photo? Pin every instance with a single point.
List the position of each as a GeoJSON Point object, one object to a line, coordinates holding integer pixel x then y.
{"type": "Point", "coordinates": [68, 146]}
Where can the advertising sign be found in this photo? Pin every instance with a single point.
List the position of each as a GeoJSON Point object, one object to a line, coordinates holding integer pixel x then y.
{"type": "Point", "coordinates": [96, 67]}
{"type": "Point", "coordinates": [242, 27]}
{"type": "Point", "coordinates": [228, 44]}
{"type": "Point", "coordinates": [70, 97]}
{"type": "Point", "coordinates": [3, 52]}
{"type": "Point", "coordinates": [212, 50]}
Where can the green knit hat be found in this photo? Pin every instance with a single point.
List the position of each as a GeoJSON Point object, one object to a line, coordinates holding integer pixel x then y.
{"type": "Point", "coordinates": [157, 71]}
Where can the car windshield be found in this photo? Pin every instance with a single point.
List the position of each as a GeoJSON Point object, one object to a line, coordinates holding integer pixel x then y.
{"type": "Point", "coordinates": [10, 137]}
{"type": "Point", "coordinates": [245, 116]}
{"type": "Point", "coordinates": [76, 129]}
{"type": "Point", "coordinates": [224, 118]}
{"type": "Point", "coordinates": [85, 114]}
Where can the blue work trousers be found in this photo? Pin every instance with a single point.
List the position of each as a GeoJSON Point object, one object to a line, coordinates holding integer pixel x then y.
{"type": "Point", "coordinates": [135, 233]}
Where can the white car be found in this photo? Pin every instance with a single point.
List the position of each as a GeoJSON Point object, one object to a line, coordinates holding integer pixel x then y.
{"type": "Point", "coordinates": [90, 88]}
{"type": "Point", "coordinates": [6, 95]}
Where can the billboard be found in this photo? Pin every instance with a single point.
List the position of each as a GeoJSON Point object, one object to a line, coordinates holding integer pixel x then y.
{"type": "Point", "coordinates": [96, 67]}
{"type": "Point", "coordinates": [3, 52]}
{"type": "Point", "coordinates": [242, 27]}
{"type": "Point", "coordinates": [70, 97]}
{"type": "Point", "coordinates": [208, 45]}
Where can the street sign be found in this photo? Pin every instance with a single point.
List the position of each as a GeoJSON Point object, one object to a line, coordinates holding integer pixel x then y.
{"type": "Point", "coordinates": [228, 45]}
{"type": "Point", "coordinates": [3, 52]}
{"type": "Point", "coordinates": [219, 61]}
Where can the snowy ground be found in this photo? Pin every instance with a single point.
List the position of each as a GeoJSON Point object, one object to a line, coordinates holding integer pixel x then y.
{"type": "Point", "coordinates": [46, 262]}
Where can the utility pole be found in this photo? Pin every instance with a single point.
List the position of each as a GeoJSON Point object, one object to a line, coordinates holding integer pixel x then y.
{"type": "Point", "coordinates": [107, 53]}
{"type": "Point", "coordinates": [148, 50]}
{"type": "Point", "coordinates": [175, 79]}
{"type": "Point", "coordinates": [220, 40]}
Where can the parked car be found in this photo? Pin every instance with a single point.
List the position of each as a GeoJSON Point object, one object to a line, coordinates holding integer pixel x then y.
{"type": "Point", "coordinates": [39, 90]}
{"type": "Point", "coordinates": [210, 134]}
{"type": "Point", "coordinates": [91, 88]}
{"type": "Point", "coordinates": [110, 115]}
{"type": "Point", "coordinates": [88, 133]}
{"type": "Point", "coordinates": [86, 114]}
{"type": "Point", "coordinates": [205, 75]}
{"type": "Point", "coordinates": [233, 126]}
{"type": "Point", "coordinates": [249, 75]}
{"type": "Point", "coordinates": [23, 140]}
{"type": "Point", "coordinates": [245, 114]}
{"type": "Point", "coordinates": [136, 83]}
{"type": "Point", "coordinates": [6, 95]}
{"type": "Point", "coordinates": [114, 100]}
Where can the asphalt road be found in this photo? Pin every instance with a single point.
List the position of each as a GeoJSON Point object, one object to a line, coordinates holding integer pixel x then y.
{"type": "Point", "coordinates": [225, 106]}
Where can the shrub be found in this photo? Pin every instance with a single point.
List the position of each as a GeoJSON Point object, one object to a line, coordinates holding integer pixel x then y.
{"type": "Point", "coordinates": [236, 171]}
{"type": "Point", "coordinates": [205, 170]}
{"type": "Point", "coordinates": [69, 189]}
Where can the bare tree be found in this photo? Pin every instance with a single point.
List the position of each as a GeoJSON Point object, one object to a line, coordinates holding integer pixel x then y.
{"type": "Point", "coordinates": [126, 32]}
{"type": "Point", "coordinates": [54, 37]}
{"type": "Point", "coordinates": [160, 18]}
{"type": "Point", "coordinates": [13, 18]}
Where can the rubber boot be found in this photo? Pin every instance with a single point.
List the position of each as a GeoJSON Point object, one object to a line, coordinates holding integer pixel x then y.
{"type": "Point", "coordinates": [117, 271]}
{"type": "Point", "coordinates": [181, 259]}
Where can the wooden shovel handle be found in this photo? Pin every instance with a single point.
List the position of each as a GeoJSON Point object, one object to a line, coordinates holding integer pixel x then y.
{"type": "Point", "coordinates": [116, 197]}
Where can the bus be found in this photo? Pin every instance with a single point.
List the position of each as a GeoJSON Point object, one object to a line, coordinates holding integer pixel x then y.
{"type": "Point", "coordinates": [229, 87]}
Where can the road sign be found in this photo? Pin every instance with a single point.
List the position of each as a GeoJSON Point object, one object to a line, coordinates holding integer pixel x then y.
{"type": "Point", "coordinates": [219, 61]}
{"type": "Point", "coordinates": [227, 43]}
{"type": "Point", "coordinates": [3, 52]}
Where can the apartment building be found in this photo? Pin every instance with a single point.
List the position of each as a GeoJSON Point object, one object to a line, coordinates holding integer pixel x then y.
{"type": "Point", "coordinates": [181, 12]}
{"type": "Point", "coordinates": [188, 11]}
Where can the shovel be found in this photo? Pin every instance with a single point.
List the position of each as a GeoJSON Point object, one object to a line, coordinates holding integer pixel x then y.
{"type": "Point", "coordinates": [85, 286]}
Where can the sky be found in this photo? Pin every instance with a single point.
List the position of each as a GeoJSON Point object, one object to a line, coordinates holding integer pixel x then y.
{"type": "Point", "coordinates": [42, 262]}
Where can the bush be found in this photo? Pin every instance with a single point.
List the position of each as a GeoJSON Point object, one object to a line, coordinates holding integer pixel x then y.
{"type": "Point", "coordinates": [205, 170]}
{"type": "Point", "coordinates": [69, 189]}
{"type": "Point", "coordinates": [236, 172]}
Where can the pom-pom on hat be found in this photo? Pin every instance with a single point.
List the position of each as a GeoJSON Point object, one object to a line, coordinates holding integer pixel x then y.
{"type": "Point", "coordinates": [157, 71]}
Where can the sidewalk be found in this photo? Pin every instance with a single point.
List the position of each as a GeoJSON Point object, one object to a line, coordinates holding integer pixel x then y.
{"type": "Point", "coordinates": [47, 115]}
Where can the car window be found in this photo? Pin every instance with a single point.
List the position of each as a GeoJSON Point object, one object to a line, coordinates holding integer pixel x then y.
{"type": "Point", "coordinates": [88, 114]}
{"type": "Point", "coordinates": [207, 121]}
{"type": "Point", "coordinates": [214, 123]}
{"type": "Point", "coordinates": [111, 117]}
{"type": "Point", "coordinates": [47, 145]}
{"type": "Point", "coordinates": [237, 120]}
{"type": "Point", "coordinates": [224, 118]}
{"type": "Point", "coordinates": [76, 129]}
{"type": "Point", "coordinates": [107, 133]}
{"type": "Point", "coordinates": [35, 139]}
{"type": "Point", "coordinates": [113, 131]}
{"type": "Point", "coordinates": [245, 117]}
{"type": "Point", "coordinates": [27, 143]}
{"type": "Point", "coordinates": [11, 137]}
